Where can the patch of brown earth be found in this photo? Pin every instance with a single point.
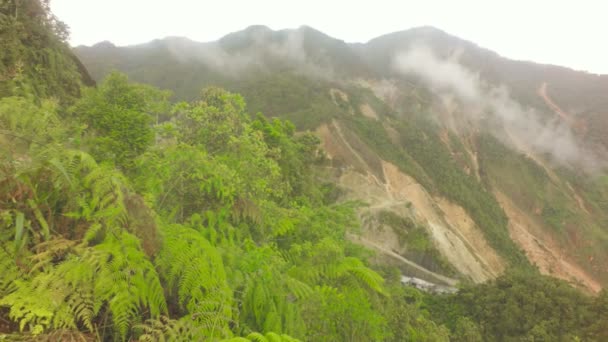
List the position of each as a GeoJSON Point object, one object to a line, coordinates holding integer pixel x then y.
{"type": "Point", "coordinates": [452, 231]}
{"type": "Point", "coordinates": [579, 200]}
{"type": "Point", "coordinates": [541, 249]}
{"type": "Point", "coordinates": [386, 90]}
{"type": "Point", "coordinates": [470, 233]}
{"type": "Point", "coordinates": [542, 92]}
{"type": "Point", "coordinates": [465, 252]}
{"type": "Point", "coordinates": [368, 111]}
{"type": "Point", "coordinates": [444, 136]}
{"type": "Point", "coordinates": [338, 149]}
{"type": "Point", "coordinates": [335, 93]}
{"type": "Point", "coordinates": [402, 195]}
{"type": "Point", "coordinates": [578, 125]}
{"type": "Point", "coordinates": [329, 144]}
{"type": "Point", "coordinates": [392, 133]}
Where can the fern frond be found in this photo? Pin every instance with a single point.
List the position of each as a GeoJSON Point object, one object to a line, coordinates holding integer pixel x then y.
{"type": "Point", "coordinates": [64, 296]}
{"type": "Point", "coordinates": [9, 272]}
{"type": "Point", "coordinates": [287, 338]}
{"type": "Point", "coordinates": [49, 251]}
{"type": "Point", "coordinates": [194, 272]}
{"type": "Point", "coordinates": [127, 281]}
{"type": "Point", "coordinates": [300, 289]}
{"type": "Point", "coordinates": [257, 337]}
{"type": "Point", "coordinates": [269, 337]}
{"type": "Point", "coordinates": [166, 329]}
{"type": "Point", "coordinates": [274, 337]}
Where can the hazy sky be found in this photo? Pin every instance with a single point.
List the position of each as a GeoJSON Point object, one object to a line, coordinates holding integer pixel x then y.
{"type": "Point", "coordinates": [563, 32]}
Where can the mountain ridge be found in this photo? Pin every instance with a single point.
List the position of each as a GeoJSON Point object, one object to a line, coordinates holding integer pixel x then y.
{"type": "Point", "coordinates": [420, 206]}
{"type": "Point", "coordinates": [402, 89]}
{"type": "Point", "coordinates": [408, 31]}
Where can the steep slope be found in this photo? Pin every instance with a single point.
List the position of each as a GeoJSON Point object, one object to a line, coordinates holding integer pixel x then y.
{"type": "Point", "coordinates": [34, 58]}
{"type": "Point", "coordinates": [441, 151]}
{"type": "Point", "coordinates": [391, 192]}
{"type": "Point", "coordinates": [580, 93]}
{"type": "Point", "coordinates": [124, 217]}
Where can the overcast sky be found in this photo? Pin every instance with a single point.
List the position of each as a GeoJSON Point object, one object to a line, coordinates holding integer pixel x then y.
{"type": "Point", "coordinates": [569, 33]}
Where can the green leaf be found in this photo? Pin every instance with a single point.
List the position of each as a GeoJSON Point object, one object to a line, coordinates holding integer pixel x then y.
{"type": "Point", "coordinates": [46, 232]}
{"type": "Point", "coordinates": [19, 220]}
{"type": "Point", "coordinates": [61, 169]}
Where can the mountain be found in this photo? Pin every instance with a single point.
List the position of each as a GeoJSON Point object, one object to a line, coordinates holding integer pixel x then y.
{"type": "Point", "coordinates": [501, 162]}
{"type": "Point", "coordinates": [309, 52]}
{"type": "Point", "coordinates": [409, 204]}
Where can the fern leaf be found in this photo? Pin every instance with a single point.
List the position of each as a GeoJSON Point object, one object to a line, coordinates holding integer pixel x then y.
{"type": "Point", "coordinates": [257, 337]}
{"type": "Point", "coordinates": [194, 272]}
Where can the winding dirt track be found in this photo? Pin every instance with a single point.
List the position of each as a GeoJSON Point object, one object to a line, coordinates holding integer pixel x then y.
{"type": "Point", "coordinates": [577, 124]}
{"type": "Point", "coordinates": [452, 231]}
{"type": "Point", "coordinates": [370, 244]}
{"type": "Point", "coordinates": [542, 92]}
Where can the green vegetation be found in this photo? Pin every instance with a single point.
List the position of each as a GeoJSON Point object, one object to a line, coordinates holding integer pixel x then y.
{"type": "Point", "coordinates": [426, 158]}
{"type": "Point", "coordinates": [374, 134]}
{"type": "Point", "coordinates": [121, 113]}
{"type": "Point", "coordinates": [522, 307]}
{"type": "Point", "coordinates": [417, 242]}
{"type": "Point", "coordinates": [572, 207]}
{"type": "Point", "coordinates": [304, 101]}
{"type": "Point", "coordinates": [525, 181]}
{"type": "Point", "coordinates": [453, 183]}
{"type": "Point", "coordinates": [34, 60]}
{"type": "Point", "coordinates": [218, 229]}
{"type": "Point", "coordinates": [125, 217]}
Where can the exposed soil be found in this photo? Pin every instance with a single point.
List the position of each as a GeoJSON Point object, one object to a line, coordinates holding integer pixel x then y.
{"type": "Point", "coordinates": [392, 133]}
{"type": "Point", "coordinates": [470, 233]}
{"type": "Point", "coordinates": [336, 147]}
{"type": "Point", "coordinates": [468, 147]}
{"type": "Point", "coordinates": [453, 232]}
{"type": "Point", "coordinates": [368, 111]}
{"type": "Point", "coordinates": [541, 249]}
{"type": "Point", "coordinates": [448, 220]}
{"type": "Point", "coordinates": [461, 243]}
{"type": "Point", "coordinates": [578, 198]}
{"type": "Point", "coordinates": [334, 92]}
{"type": "Point", "coordinates": [579, 126]}
{"type": "Point", "coordinates": [542, 92]}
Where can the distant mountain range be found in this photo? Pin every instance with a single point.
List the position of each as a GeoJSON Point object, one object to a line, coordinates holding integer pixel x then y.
{"type": "Point", "coordinates": [501, 161]}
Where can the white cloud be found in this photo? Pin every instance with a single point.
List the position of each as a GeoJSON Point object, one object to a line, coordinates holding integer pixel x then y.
{"type": "Point", "coordinates": [521, 127]}
{"type": "Point", "coordinates": [559, 32]}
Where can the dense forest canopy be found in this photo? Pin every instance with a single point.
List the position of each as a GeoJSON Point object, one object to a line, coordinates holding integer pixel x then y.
{"type": "Point", "coordinates": [124, 216]}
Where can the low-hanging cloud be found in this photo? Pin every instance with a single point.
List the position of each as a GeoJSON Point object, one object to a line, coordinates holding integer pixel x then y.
{"type": "Point", "coordinates": [516, 125]}
{"type": "Point", "coordinates": [260, 54]}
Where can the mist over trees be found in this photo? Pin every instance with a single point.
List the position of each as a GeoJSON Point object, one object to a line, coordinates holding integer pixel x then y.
{"type": "Point", "coordinates": [127, 216]}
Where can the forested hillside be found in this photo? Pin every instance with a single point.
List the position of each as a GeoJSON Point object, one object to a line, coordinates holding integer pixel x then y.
{"type": "Point", "coordinates": [515, 147]}
{"type": "Point", "coordinates": [126, 215]}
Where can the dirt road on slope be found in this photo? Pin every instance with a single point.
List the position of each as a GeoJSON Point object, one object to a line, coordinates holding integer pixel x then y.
{"type": "Point", "coordinates": [577, 125]}
{"type": "Point", "coordinates": [370, 244]}
{"type": "Point", "coordinates": [542, 92]}
{"type": "Point", "coordinates": [453, 233]}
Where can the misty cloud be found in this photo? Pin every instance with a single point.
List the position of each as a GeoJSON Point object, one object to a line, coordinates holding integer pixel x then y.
{"type": "Point", "coordinates": [261, 54]}
{"type": "Point", "coordinates": [443, 76]}
{"type": "Point", "coordinates": [522, 128]}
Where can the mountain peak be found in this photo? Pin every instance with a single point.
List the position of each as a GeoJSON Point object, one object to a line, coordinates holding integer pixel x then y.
{"type": "Point", "coordinates": [106, 44]}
